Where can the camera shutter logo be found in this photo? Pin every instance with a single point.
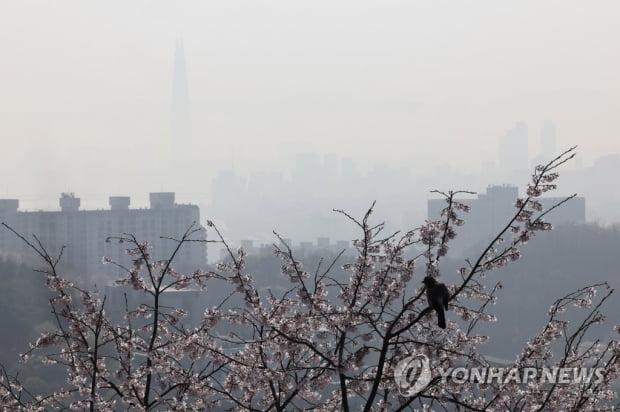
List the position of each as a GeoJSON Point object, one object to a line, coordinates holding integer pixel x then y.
{"type": "Point", "coordinates": [412, 374]}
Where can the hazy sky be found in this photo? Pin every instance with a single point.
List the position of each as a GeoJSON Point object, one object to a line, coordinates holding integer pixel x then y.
{"type": "Point", "coordinates": [85, 86]}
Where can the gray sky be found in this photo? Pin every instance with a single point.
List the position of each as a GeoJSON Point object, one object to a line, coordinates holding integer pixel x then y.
{"type": "Point", "coordinates": [85, 85]}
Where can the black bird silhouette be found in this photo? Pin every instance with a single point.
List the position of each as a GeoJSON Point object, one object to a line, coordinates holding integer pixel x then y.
{"type": "Point", "coordinates": [437, 295]}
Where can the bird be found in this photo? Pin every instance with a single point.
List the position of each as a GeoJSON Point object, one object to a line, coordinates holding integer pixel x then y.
{"type": "Point", "coordinates": [438, 295]}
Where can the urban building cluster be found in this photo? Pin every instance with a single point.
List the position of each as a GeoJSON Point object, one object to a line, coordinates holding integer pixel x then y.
{"type": "Point", "coordinates": [323, 245]}
{"type": "Point", "coordinates": [82, 234]}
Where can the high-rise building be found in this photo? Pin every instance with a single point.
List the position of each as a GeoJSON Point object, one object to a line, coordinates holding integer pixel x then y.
{"type": "Point", "coordinates": [83, 233]}
{"type": "Point", "coordinates": [547, 141]}
{"type": "Point", "coordinates": [547, 145]}
{"type": "Point", "coordinates": [180, 111]}
{"type": "Point", "coordinates": [513, 149]}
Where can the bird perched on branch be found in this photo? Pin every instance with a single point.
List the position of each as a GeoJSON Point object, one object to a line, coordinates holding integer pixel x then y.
{"type": "Point", "coordinates": [438, 295]}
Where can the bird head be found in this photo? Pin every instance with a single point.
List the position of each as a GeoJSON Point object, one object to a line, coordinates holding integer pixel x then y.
{"type": "Point", "coordinates": [429, 281]}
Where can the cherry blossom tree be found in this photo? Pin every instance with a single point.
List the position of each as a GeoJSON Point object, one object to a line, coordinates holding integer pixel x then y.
{"type": "Point", "coordinates": [326, 342]}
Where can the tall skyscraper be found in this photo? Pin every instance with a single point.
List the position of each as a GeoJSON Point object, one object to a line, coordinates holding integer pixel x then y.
{"type": "Point", "coordinates": [547, 145]}
{"type": "Point", "coordinates": [513, 149]}
{"type": "Point", "coordinates": [547, 141]}
{"type": "Point", "coordinates": [180, 113]}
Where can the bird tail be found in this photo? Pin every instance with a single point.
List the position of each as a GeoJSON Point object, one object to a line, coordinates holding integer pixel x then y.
{"type": "Point", "coordinates": [441, 318]}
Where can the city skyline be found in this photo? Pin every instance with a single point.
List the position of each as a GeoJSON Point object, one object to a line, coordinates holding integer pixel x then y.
{"type": "Point", "coordinates": [291, 205]}
{"type": "Point", "coordinates": [541, 140]}
{"type": "Point", "coordinates": [379, 82]}
{"type": "Point", "coordinates": [209, 102]}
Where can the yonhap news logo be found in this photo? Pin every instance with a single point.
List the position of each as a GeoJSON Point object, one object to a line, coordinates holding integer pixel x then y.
{"type": "Point", "coordinates": [412, 374]}
{"type": "Point", "coordinates": [525, 375]}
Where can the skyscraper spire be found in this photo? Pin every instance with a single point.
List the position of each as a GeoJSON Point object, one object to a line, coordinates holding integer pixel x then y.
{"type": "Point", "coordinates": [180, 113]}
